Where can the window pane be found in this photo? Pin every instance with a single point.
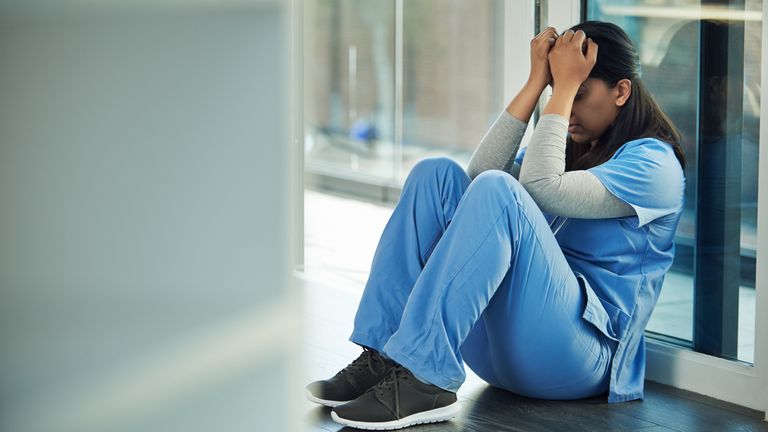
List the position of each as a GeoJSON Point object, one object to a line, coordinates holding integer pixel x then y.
{"type": "Point", "coordinates": [702, 63]}
{"type": "Point", "coordinates": [349, 86]}
{"type": "Point", "coordinates": [452, 83]}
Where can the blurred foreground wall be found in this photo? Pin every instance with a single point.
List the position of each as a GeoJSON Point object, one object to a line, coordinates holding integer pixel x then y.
{"type": "Point", "coordinates": [144, 217]}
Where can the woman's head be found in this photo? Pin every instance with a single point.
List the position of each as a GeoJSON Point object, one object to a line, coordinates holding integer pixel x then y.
{"type": "Point", "coordinates": [613, 106]}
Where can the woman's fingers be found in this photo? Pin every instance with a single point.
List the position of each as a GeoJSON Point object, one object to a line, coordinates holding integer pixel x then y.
{"type": "Point", "coordinates": [565, 38]}
{"type": "Point", "coordinates": [578, 38]}
{"type": "Point", "coordinates": [575, 38]}
{"type": "Point", "coordinates": [545, 38]}
{"type": "Point", "coordinates": [540, 48]}
{"type": "Point", "coordinates": [591, 52]}
{"type": "Point", "coordinates": [547, 32]}
{"type": "Point", "coordinates": [568, 61]}
{"type": "Point", "coordinates": [551, 37]}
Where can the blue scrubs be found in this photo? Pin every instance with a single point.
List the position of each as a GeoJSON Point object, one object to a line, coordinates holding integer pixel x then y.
{"type": "Point", "coordinates": [471, 272]}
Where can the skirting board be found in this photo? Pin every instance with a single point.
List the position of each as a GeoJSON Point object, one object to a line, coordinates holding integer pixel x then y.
{"type": "Point", "coordinates": [711, 376]}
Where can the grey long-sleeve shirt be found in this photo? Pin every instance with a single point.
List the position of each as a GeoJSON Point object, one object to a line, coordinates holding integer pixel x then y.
{"type": "Point", "coordinates": [577, 194]}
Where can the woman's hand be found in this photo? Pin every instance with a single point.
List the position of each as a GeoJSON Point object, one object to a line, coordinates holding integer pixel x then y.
{"type": "Point", "coordinates": [569, 65]}
{"type": "Point", "coordinates": [540, 75]}
{"type": "Point", "coordinates": [524, 103]}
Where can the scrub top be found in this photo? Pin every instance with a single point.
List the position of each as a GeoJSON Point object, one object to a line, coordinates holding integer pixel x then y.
{"type": "Point", "coordinates": [621, 262]}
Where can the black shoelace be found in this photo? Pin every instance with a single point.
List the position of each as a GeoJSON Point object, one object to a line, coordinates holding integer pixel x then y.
{"type": "Point", "coordinates": [370, 359]}
{"type": "Point", "coordinates": [390, 382]}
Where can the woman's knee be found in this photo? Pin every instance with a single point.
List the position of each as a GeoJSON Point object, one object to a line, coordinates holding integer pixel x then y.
{"type": "Point", "coordinates": [429, 166]}
{"type": "Point", "coordinates": [495, 180]}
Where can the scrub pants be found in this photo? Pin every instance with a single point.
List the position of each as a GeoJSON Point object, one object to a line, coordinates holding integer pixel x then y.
{"type": "Point", "coordinates": [469, 271]}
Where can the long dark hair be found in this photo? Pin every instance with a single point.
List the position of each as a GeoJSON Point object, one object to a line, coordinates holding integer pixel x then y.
{"type": "Point", "coordinates": [640, 116]}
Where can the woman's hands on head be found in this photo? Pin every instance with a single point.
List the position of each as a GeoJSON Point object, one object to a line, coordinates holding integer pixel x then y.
{"type": "Point", "coordinates": [570, 67]}
{"type": "Point", "coordinates": [540, 45]}
{"type": "Point", "coordinates": [569, 63]}
{"type": "Point", "coordinates": [554, 60]}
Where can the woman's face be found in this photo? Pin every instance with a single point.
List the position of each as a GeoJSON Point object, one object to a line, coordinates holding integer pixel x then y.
{"type": "Point", "coordinates": [595, 107]}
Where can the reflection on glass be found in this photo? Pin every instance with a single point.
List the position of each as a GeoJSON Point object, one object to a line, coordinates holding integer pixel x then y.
{"type": "Point", "coordinates": [349, 86]}
{"type": "Point", "coordinates": [702, 63]}
{"type": "Point", "coordinates": [451, 84]}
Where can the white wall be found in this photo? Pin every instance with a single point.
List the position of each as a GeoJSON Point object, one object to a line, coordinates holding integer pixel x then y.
{"type": "Point", "coordinates": [144, 217]}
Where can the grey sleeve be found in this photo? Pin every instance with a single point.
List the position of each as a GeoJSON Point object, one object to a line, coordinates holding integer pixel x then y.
{"type": "Point", "coordinates": [577, 194]}
{"type": "Point", "coordinates": [498, 148]}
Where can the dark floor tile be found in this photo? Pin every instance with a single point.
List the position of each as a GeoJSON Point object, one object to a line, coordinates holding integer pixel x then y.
{"type": "Point", "coordinates": [678, 412]}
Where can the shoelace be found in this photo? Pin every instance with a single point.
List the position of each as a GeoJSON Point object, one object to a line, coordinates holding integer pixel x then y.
{"type": "Point", "coordinates": [369, 358]}
{"type": "Point", "coordinates": [391, 381]}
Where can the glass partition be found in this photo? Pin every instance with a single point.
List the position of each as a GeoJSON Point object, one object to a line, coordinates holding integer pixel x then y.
{"type": "Point", "coordinates": [388, 83]}
{"type": "Point", "coordinates": [349, 88]}
{"type": "Point", "coordinates": [452, 77]}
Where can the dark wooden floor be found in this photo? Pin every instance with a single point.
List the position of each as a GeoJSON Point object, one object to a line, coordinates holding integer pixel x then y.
{"type": "Point", "coordinates": [329, 316]}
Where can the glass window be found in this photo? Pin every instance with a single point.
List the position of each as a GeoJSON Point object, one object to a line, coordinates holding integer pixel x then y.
{"type": "Point", "coordinates": [349, 87]}
{"type": "Point", "coordinates": [702, 63]}
{"type": "Point", "coordinates": [452, 83]}
{"type": "Point", "coordinates": [444, 65]}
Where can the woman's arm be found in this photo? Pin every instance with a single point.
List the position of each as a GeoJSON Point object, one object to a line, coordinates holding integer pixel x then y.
{"type": "Point", "coordinates": [498, 148]}
{"type": "Point", "coordinates": [578, 194]}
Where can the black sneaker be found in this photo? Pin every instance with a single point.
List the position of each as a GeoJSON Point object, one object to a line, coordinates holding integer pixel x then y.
{"type": "Point", "coordinates": [352, 381]}
{"type": "Point", "coordinates": [398, 401]}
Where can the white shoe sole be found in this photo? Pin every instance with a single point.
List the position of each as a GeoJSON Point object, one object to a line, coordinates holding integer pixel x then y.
{"type": "Point", "coordinates": [326, 402]}
{"type": "Point", "coordinates": [432, 416]}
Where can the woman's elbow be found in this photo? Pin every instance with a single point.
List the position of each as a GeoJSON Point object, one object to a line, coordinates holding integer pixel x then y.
{"type": "Point", "coordinates": [529, 182]}
{"type": "Point", "coordinates": [539, 190]}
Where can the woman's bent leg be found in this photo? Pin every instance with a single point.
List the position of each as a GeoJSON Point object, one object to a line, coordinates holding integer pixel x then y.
{"type": "Point", "coordinates": [430, 195]}
{"type": "Point", "coordinates": [496, 271]}
{"type": "Point", "coordinates": [535, 343]}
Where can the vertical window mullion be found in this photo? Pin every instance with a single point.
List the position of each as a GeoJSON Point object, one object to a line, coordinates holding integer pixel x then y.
{"type": "Point", "coordinates": [717, 272]}
{"type": "Point", "coordinates": [397, 153]}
